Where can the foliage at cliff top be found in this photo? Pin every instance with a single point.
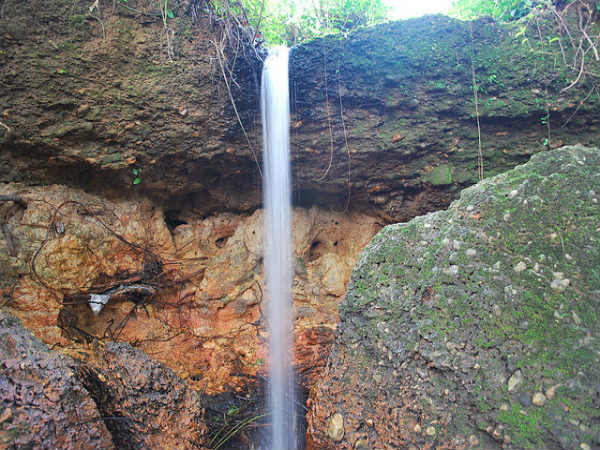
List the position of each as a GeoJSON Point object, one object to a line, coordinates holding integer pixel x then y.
{"type": "Point", "coordinates": [294, 21]}
{"type": "Point", "coordinates": [512, 9]}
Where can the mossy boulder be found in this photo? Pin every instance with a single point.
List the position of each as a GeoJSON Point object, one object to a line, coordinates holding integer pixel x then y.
{"type": "Point", "coordinates": [478, 326]}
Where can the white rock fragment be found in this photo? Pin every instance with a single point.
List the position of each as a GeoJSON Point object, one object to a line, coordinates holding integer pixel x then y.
{"type": "Point", "coordinates": [551, 392]}
{"type": "Point", "coordinates": [97, 302]}
{"type": "Point", "coordinates": [515, 380]}
{"type": "Point", "coordinates": [538, 399]}
{"type": "Point", "coordinates": [513, 193]}
{"type": "Point", "coordinates": [452, 270]}
{"type": "Point", "coordinates": [471, 252]}
{"type": "Point", "coordinates": [520, 267]}
{"type": "Point", "coordinates": [336, 427]}
{"type": "Point", "coordinates": [559, 284]}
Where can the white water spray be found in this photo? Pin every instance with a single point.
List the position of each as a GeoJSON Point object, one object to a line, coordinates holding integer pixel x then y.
{"type": "Point", "coordinates": [275, 108]}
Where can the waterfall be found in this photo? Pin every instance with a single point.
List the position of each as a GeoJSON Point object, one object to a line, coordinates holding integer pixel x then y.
{"type": "Point", "coordinates": [275, 108]}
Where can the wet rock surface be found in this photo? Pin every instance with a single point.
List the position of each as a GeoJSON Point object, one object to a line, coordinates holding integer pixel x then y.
{"type": "Point", "coordinates": [476, 327]}
{"type": "Point", "coordinates": [43, 404]}
{"type": "Point", "coordinates": [145, 405]}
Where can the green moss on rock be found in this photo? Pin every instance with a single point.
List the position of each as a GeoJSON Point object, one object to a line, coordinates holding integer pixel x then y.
{"type": "Point", "coordinates": [440, 176]}
{"type": "Point", "coordinates": [506, 280]}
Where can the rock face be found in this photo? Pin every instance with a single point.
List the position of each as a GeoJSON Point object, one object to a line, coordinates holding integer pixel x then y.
{"type": "Point", "coordinates": [145, 405]}
{"type": "Point", "coordinates": [204, 317]}
{"type": "Point", "coordinates": [390, 111]}
{"type": "Point", "coordinates": [43, 405]}
{"type": "Point", "coordinates": [90, 94]}
{"type": "Point", "coordinates": [476, 327]}
{"type": "Point", "coordinates": [383, 120]}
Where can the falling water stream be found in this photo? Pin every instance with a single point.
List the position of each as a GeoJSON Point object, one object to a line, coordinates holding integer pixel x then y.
{"type": "Point", "coordinates": [275, 108]}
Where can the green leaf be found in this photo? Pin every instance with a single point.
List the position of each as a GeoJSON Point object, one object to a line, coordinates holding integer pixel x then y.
{"type": "Point", "coordinates": [134, 171]}
{"type": "Point", "coordinates": [137, 180]}
{"type": "Point", "coordinates": [170, 14]}
{"type": "Point", "coordinates": [62, 71]}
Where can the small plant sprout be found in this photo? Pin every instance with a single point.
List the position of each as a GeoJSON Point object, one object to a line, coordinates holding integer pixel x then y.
{"type": "Point", "coordinates": [137, 173]}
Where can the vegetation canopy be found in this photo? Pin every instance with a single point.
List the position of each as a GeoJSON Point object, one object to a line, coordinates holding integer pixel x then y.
{"type": "Point", "coordinates": [294, 21]}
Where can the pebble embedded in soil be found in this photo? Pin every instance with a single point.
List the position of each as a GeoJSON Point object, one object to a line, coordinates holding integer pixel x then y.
{"type": "Point", "coordinates": [515, 381]}
{"type": "Point", "coordinates": [520, 267]}
{"type": "Point", "coordinates": [538, 399]}
{"type": "Point", "coordinates": [336, 427]}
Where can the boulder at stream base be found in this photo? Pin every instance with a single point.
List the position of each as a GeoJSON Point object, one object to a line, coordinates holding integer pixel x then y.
{"type": "Point", "coordinates": [475, 327]}
{"type": "Point", "coordinates": [147, 406]}
{"type": "Point", "coordinates": [42, 403]}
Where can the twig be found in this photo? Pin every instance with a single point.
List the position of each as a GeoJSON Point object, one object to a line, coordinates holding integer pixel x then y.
{"type": "Point", "coordinates": [102, 25]}
{"type": "Point", "coordinates": [578, 75]}
{"type": "Point", "coordinates": [164, 11]}
{"type": "Point", "coordinates": [347, 146]}
{"type": "Point", "coordinates": [578, 106]}
{"type": "Point", "coordinates": [262, 8]}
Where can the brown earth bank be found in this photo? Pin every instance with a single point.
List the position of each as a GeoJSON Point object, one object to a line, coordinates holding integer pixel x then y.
{"type": "Point", "coordinates": [383, 120]}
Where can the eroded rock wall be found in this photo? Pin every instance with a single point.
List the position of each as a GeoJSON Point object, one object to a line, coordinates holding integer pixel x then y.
{"type": "Point", "coordinates": [390, 111]}
{"type": "Point", "coordinates": [89, 94]}
{"type": "Point", "coordinates": [205, 317]}
{"type": "Point", "coordinates": [384, 120]}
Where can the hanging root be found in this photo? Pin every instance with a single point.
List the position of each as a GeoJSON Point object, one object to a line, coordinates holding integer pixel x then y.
{"type": "Point", "coordinates": [476, 98]}
{"type": "Point", "coordinates": [328, 112]}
